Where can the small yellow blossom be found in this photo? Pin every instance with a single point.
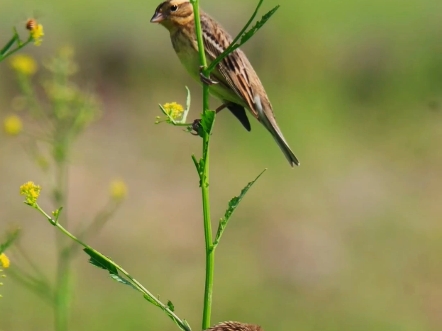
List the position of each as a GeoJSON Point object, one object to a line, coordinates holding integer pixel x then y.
{"type": "Point", "coordinates": [118, 189]}
{"type": "Point", "coordinates": [174, 110]}
{"type": "Point", "coordinates": [37, 34]}
{"type": "Point", "coordinates": [24, 64]}
{"type": "Point", "coordinates": [31, 192]}
{"type": "Point", "coordinates": [4, 261]}
{"type": "Point", "coordinates": [12, 125]}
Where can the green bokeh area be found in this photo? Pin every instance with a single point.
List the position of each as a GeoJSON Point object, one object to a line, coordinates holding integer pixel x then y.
{"type": "Point", "coordinates": [350, 240]}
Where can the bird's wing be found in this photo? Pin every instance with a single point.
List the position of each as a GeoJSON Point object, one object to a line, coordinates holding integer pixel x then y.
{"type": "Point", "coordinates": [234, 71]}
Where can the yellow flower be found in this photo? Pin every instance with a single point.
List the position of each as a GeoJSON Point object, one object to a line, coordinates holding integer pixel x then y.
{"type": "Point", "coordinates": [31, 192]}
{"type": "Point", "coordinates": [4, 261]}
{"type": "Point", "coordinates": [174, 110]}
{"type": "Point", "coordinates": [24, 64]}
{"type": "Point", "coordinates": [37, 34]}
{"type": "Point", "coordinates": [12, 125]}
{"type": "Point", "coordinates": [118, 189]}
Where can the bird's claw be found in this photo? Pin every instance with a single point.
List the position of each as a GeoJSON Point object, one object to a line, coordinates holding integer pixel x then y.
{"type": "Point", "coordinates": [196, 126]}
{"type": "Point", "coordinates": [206, 80]}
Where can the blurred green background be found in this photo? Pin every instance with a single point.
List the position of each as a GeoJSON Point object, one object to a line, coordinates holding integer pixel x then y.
{"type": "Point", "coordinates": [351, 240]}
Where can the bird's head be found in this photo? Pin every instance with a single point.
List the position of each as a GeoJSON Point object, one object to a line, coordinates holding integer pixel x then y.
{"type": "Point", "coordinates": [173, 13]}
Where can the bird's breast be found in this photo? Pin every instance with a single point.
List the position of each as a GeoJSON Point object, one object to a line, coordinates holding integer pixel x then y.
{"type": "Point", "coordinates": [187, 53]}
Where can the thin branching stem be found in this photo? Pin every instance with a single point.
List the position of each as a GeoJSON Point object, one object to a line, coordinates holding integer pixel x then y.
{"type": "Point", "coordinates": [137, 285]}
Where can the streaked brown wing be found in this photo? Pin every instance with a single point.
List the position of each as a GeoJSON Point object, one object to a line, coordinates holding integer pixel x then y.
{"type": "Point", "coordinates": [232, 70]}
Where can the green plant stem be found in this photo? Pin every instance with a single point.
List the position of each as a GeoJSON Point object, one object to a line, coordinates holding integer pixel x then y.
{"type": "Point", "coordinates": [64, 258]}
{"type": "Point", "coordinates": [233, 45]}
{"type": "Point", "coordinates": [210, 252]}
{"type": "Point", "coordinates": [63, 291]}
{"type": "Point", "coordinates": [5, 52]}
{"type": "Point", "coordinates": [137, 285]}
{"type": "Point", "coordinates": [204, 180]}
{"type": "Point", "coordinates": [199, 35]}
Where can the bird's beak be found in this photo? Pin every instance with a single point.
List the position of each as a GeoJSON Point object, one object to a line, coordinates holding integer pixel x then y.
{"type": "Point", "coordinates": [157, 17]}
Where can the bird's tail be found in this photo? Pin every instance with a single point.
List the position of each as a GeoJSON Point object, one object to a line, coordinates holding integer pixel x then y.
{"type": "Point", "coordinates": [272, 127]}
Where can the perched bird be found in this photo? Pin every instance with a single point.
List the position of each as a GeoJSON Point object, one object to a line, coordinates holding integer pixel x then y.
{"type": "Point", "coordinates": [235, 81]}
{"type": "Point", "coordinates": [235, 326]}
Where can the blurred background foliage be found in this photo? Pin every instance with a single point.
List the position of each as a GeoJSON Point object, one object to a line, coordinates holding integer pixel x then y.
{"type": "Point", "coordinates": [348, 241]}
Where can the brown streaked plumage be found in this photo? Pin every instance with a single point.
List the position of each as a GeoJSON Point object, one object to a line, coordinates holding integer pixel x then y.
{"type": "Point", "coordinates": [235, 326]}
{"type": "Point", "coordinates": [238, 85]}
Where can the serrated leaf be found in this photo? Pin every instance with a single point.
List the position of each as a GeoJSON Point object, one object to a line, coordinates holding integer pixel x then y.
{"type": "Point", "coordinates": [258, 25]}
{"type": "Point", "coordinates": [207, 121]}
{"type": "Point", "coordinates": [98, 261]}
{"type": "Point", "coordinates": [233, 204]}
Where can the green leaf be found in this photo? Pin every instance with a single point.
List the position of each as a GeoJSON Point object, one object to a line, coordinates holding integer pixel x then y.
{"type": "Point", "coordinates": [5, 49]}
{"type": "Point", "coordinates": [56, 213]}
{"type": "Point", "coordinates": [233, 204]}
{"type": "Point", "coordinates": [186, 111]}
{"type": "Point", "coordinates": [186, 326]}
{"type": "Point", "coordinates": [234, 44]}
{"type": "Point", "coordinates": [152, 301]}
{"type": "Point", "coordinates": [196, 163]}
{"type": "Point", "coordinates": [258, 25]}
{"type": "Point", "coordinates": [170, 305]}
{"type": "Point", "coordinates": [122, 280]}
{"type": "Point", "coordinates": [207, 121]}
{"type": "Point", "coordinates": [100, 262]}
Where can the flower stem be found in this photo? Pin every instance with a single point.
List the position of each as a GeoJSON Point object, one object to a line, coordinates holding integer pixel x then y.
{"type": "Point", "coordinates": [137, 285]}
{"type": "Point", "coordinates": [6, 51]}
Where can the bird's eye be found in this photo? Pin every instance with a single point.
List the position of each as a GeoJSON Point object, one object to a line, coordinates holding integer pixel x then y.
{"type": "Point", "coordinates": [173, 8]}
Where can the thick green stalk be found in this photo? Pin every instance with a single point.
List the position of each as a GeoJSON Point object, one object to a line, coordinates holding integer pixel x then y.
{"type": "Point", "coordinates": [210, 252]}
{"type": "Point", "coordinates": [204, 179]}
{"type": "Point", "coordinates": [199, 35]}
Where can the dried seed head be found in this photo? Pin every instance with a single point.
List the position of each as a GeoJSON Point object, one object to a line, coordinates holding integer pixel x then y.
{"type": "Point", "coordinates": [235, 326]}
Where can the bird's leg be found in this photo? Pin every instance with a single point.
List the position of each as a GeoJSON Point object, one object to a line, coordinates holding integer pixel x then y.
{"type": "Point", "coordinates": [196, 126]}
{"type": "Point", "coordinates": [224, 105]}
{"type": "Point", "coordinates": [206, 80]}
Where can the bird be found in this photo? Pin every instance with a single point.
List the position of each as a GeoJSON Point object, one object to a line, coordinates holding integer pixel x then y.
{"type": "Point", "coordinates": [233, 81]}
{"type": "Point", "coordinates": [235, 326]}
